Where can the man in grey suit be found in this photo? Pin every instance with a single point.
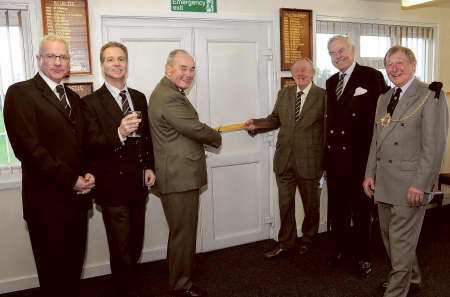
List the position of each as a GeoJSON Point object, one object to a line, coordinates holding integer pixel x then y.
{"type": "Point", "coordinates": [408, 144]}
{"type": "Point", "coordinates": [299, 113]}
{"type": "Point", "coordinates": [180, 164]}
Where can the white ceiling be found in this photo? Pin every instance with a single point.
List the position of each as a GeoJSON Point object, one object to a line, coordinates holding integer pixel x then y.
{"type": "Point", "coordinates": [435, 3]}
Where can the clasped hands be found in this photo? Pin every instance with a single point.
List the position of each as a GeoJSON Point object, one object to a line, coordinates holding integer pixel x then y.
{"type": "Point", "coordinates": [414, 196]}
{"type": "Point", "coordinates": [84, 184]}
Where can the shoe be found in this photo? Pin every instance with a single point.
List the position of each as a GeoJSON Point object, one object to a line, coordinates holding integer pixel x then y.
{"type": "Point", "coordinates": [193, 291]}
{"type": "Point", "coordinates": [414, 288]}
{"type": "Point", "coordinates": [365, 268]}
{"type": "Point", "coordinates": [304, 248]}
{"type": "Point", "coordinates": [336, 260]}
{"type": "Point", "coordinates": [276, 253]}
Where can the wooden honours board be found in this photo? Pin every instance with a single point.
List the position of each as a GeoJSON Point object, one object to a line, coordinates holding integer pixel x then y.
{"type": "Point", "coordinates": [69, 19]}
{"type": "Point", "coordinates": [296, 36]}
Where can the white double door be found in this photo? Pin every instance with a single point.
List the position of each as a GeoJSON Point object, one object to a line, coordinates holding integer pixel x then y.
{"type": "Point", "coordinates": [233, 62]}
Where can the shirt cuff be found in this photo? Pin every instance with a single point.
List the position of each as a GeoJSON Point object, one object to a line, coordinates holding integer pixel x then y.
{"type": "Point", "coordinates": [122, 139]}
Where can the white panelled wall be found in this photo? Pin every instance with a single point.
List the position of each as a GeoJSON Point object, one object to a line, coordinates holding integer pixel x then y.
{"type": "Point", "coordinates": [240, 157]}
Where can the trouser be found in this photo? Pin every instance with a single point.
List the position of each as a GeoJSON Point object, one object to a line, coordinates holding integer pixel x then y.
{"type": "Point", "coordinates": [181, 210]}
{"type": "Point", "coordinates": [287, 183]}
{"type": "Point", "coordinates": [125, 232]}
{"type": "Point", "coordinates": [350, 214]}
{"type": "Point", "coordinates": [400, 229]}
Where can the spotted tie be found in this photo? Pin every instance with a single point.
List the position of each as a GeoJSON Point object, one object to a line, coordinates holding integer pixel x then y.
{"type": "Point", "coordinates": [125, 104]}
{"type": "Point", "coordinates": [394, 100]}
{"type": "Point", "coordinates": [63, 99]}
{"type": "Point", "coordinates": [298, 103]}
{"type": "Point", "coordinates": [340, 85]}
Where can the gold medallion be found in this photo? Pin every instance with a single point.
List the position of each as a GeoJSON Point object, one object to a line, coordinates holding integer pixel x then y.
{"type": "Point", "coordinates": [385, 120]}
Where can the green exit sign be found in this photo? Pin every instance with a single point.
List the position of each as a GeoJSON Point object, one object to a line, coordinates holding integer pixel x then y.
{"type": "Point", "coordinates": [194, 5]}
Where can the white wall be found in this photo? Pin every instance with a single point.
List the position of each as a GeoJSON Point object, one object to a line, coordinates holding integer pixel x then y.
{"type": "Point", "coordinates": [17, 270]}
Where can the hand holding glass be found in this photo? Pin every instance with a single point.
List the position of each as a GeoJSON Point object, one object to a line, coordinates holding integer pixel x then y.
{"type": "Point", "coordinates": [138, 115]}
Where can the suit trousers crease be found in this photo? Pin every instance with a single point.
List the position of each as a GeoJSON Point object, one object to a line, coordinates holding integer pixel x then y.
{"type": "Point", "coordinates": [350, 215]}
{"type": "Point", "coordinates": [58, 242]}
{"type": "Point", "coordinates": [181, 211]}
{"type": "Point", "coordinates": [125, 232]}
{"type": "Point", "coordinates": [400, 229]}
{"type": "Point", "coordinates": [287, 182]}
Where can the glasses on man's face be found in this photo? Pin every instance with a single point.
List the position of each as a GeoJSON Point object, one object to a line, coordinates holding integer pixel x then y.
{"type": "Point", "coordinates": [52, 58]}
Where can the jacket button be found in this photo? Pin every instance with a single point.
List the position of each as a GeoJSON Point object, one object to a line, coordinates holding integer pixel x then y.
{"type": "Point", "coordinates": [331, 131]}
{"type": "Point", "coordinates": [342, 132]}
{"type": "Point", "coordinates": [344, 148]}
{"type": "Point", "coordinates": [353, 114]}
{"type": "Point", "coordinates": [378, 159]}
{"type": "Point", "coordinates": [329, 146]}
{"type": "Point", "coordinates": [402, 124]}
{"type": "Point", "coordinates": [396, 143]}
{"type": "Point", "coordinates": [390, 161]}
{"type": "Point", "coordinates": [121, 172]}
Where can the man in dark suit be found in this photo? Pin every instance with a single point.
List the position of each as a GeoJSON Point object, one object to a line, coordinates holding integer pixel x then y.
{"type": "Point", "coordinates": [180, 163]}
{"type": "Point", "coordinates": [45, 127]}
{"type": "Point", "coordinates": [408, 145]}
{"type": "Point", "coordinates": [352, 96]}
{"type": "Point", "coordinates": [299, 113]}
{"type": "Point", "coordinates": [122, 164]}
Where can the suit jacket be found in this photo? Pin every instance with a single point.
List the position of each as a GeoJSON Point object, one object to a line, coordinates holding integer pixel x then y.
{"type": "Point", "coordinates": [409, 152]}
{"type": "Point", "coordinates": [303, 138]}
{"type": "Point", "coordinates": [178, 137]}
{"type": "Point", "coordinates": [118, 167]}
{"type": "Point", "coordinates": [48, 143]}
{"type": "Point", "coordinates": [349, 120]}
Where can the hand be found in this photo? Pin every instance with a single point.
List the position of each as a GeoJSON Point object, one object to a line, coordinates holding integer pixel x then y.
{"type": "Point", "coordinates": [249, 125]}
{"type": "Point", "coordinates": [369, 186]}
{"type": "Point", "coordinates": [129, 124]}
{"type": "Point", "coordinates": [414, 196]}
{"type": "Point", "coordinates": [149, 177]}
{"type": "Point", "coordinates": [83, 185]}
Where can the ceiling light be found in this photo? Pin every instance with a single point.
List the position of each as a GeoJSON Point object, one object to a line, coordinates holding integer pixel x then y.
{"type": "Point", "coordinates": [409, 3]}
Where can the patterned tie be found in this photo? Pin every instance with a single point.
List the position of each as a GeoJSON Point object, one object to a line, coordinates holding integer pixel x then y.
{"type": "Point", "coordinates": [340, 85]}
{"type": "Point", "coordinates": [63, 99]}
{"type": "Point", "coordinates": [182, 92]}
{"type": "Point", "coordinates": [298, 103]}
{"type": "Point", "coordinates": [394, 100]}
{"type": "Point", "coordinates": [125, 104]}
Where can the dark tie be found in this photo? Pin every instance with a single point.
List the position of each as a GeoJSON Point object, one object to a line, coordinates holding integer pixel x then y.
{"type": "Point", "coordinates": [125, 104]}
{"type": "Point", "coordinates": [182, 92]}
{"type": "Point", "coordinates": [63, 99]}
{"type": "Point", "coordinates": [393, 102]}
{"type": "Point", "coordinates": [340, 85]}
{"type": "Point", "coordinates": [298, 103]}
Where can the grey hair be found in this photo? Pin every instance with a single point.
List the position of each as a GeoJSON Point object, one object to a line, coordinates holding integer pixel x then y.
{"type": "Point", "coordinates": [398, 48]}
{"type": "Point", "coordinates": [308, 60]}
{"type": "Point", "coordinates": [52, 37]}
{"type": "Point", "coordinates": [173, 53]}
{"type": "Point", "coordinates": [344, 38]}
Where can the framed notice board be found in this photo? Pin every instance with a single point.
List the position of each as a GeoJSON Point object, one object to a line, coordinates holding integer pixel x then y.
{"type": "Point", "coordinates": [82, 89]}
{"type": "Point", "coordinates": [69, 19]}
{"type": "Point", "coordinates": [296, 36]}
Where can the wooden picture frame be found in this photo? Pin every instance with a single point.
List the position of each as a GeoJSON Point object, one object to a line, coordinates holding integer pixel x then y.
{"type": "Point", "coordinates": [287, 82]}
{"type": "Point", "coordinates": [70, 19]}
{"type": "Point", "coordinates": [295, 36]}
{"type": "Point", "coordinates": [81, 88]}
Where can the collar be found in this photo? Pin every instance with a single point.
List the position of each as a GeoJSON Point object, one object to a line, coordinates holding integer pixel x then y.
{"type": "Point", "coordinates": [405, 87]}
{"type": "Point", "coordinates": [305, 90]}
{"type": "Point", "coordinates": [113, 90]}
{"type": "Point", "coordinates": [349, 70]}
{"type": "Point", "coordinates": [51, 84]}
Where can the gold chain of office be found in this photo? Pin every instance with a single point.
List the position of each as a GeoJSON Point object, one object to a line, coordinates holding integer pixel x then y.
{"type": "Point", "coordinates": [387, 119]}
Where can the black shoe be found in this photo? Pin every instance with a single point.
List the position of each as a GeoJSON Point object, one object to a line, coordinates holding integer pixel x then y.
{"type": "Point", "coordinates": [336, 260]}
{"type": "Point", "coordinates": [365, 268]}
{"type": "Point", "coordinates": [276, 252]}
{"type": "Point", "coordinates": [304, 248]}
{"type": "Point", "coordinates": [193, 291]}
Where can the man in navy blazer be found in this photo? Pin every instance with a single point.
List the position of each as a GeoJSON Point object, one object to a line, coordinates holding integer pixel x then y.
{"type": "Point", "coordinates": [352, 96]}
{"type": "Point", "coordinates": [45, 128]}
{"type": "Point", "coordinates": [123, 164]}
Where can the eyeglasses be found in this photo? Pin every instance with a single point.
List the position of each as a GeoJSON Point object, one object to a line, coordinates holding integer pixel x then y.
{"type": "Point", "coordinates": [52, 58]}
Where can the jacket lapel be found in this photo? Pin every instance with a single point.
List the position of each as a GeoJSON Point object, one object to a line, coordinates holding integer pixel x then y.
{"type": "Point", "coordinates": [110, 105]}
{"type": "Point", "coordinates": [48, 95]}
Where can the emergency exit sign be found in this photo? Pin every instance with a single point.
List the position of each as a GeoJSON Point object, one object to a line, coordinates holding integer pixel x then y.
{"type": "Point", "coordinates": [194, 5]}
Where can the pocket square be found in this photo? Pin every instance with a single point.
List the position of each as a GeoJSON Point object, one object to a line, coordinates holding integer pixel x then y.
{"type": "Point", "coordinates": [359, 91]}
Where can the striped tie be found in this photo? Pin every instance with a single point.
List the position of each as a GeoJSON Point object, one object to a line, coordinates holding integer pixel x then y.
{"type": "Point", "coordinates": [125, 104]}
{"type": "Point", "coordinates": [340, 85]}
{"type": "Point", "coordinates": [298, 103]}
{"type": "Point", "coordinates": [63, 99]}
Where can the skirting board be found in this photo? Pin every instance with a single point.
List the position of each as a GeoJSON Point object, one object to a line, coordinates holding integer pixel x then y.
{"type": "Point", "coordinates": [92, 270]}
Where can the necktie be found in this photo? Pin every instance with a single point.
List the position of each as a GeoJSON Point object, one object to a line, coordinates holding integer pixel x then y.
{"type": "Point", "coordinates": [298, 102]}
{"type": "Point", "coordinates": [340, 85]}
{"type": "Point", "coordinates": [63, 99]}
{"type": "Point", "coordinates": [393, 102]}
{"type": "Point", "coordinates": [182, 92]}
{"type": "Point", "coordinates": [125, 104]}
